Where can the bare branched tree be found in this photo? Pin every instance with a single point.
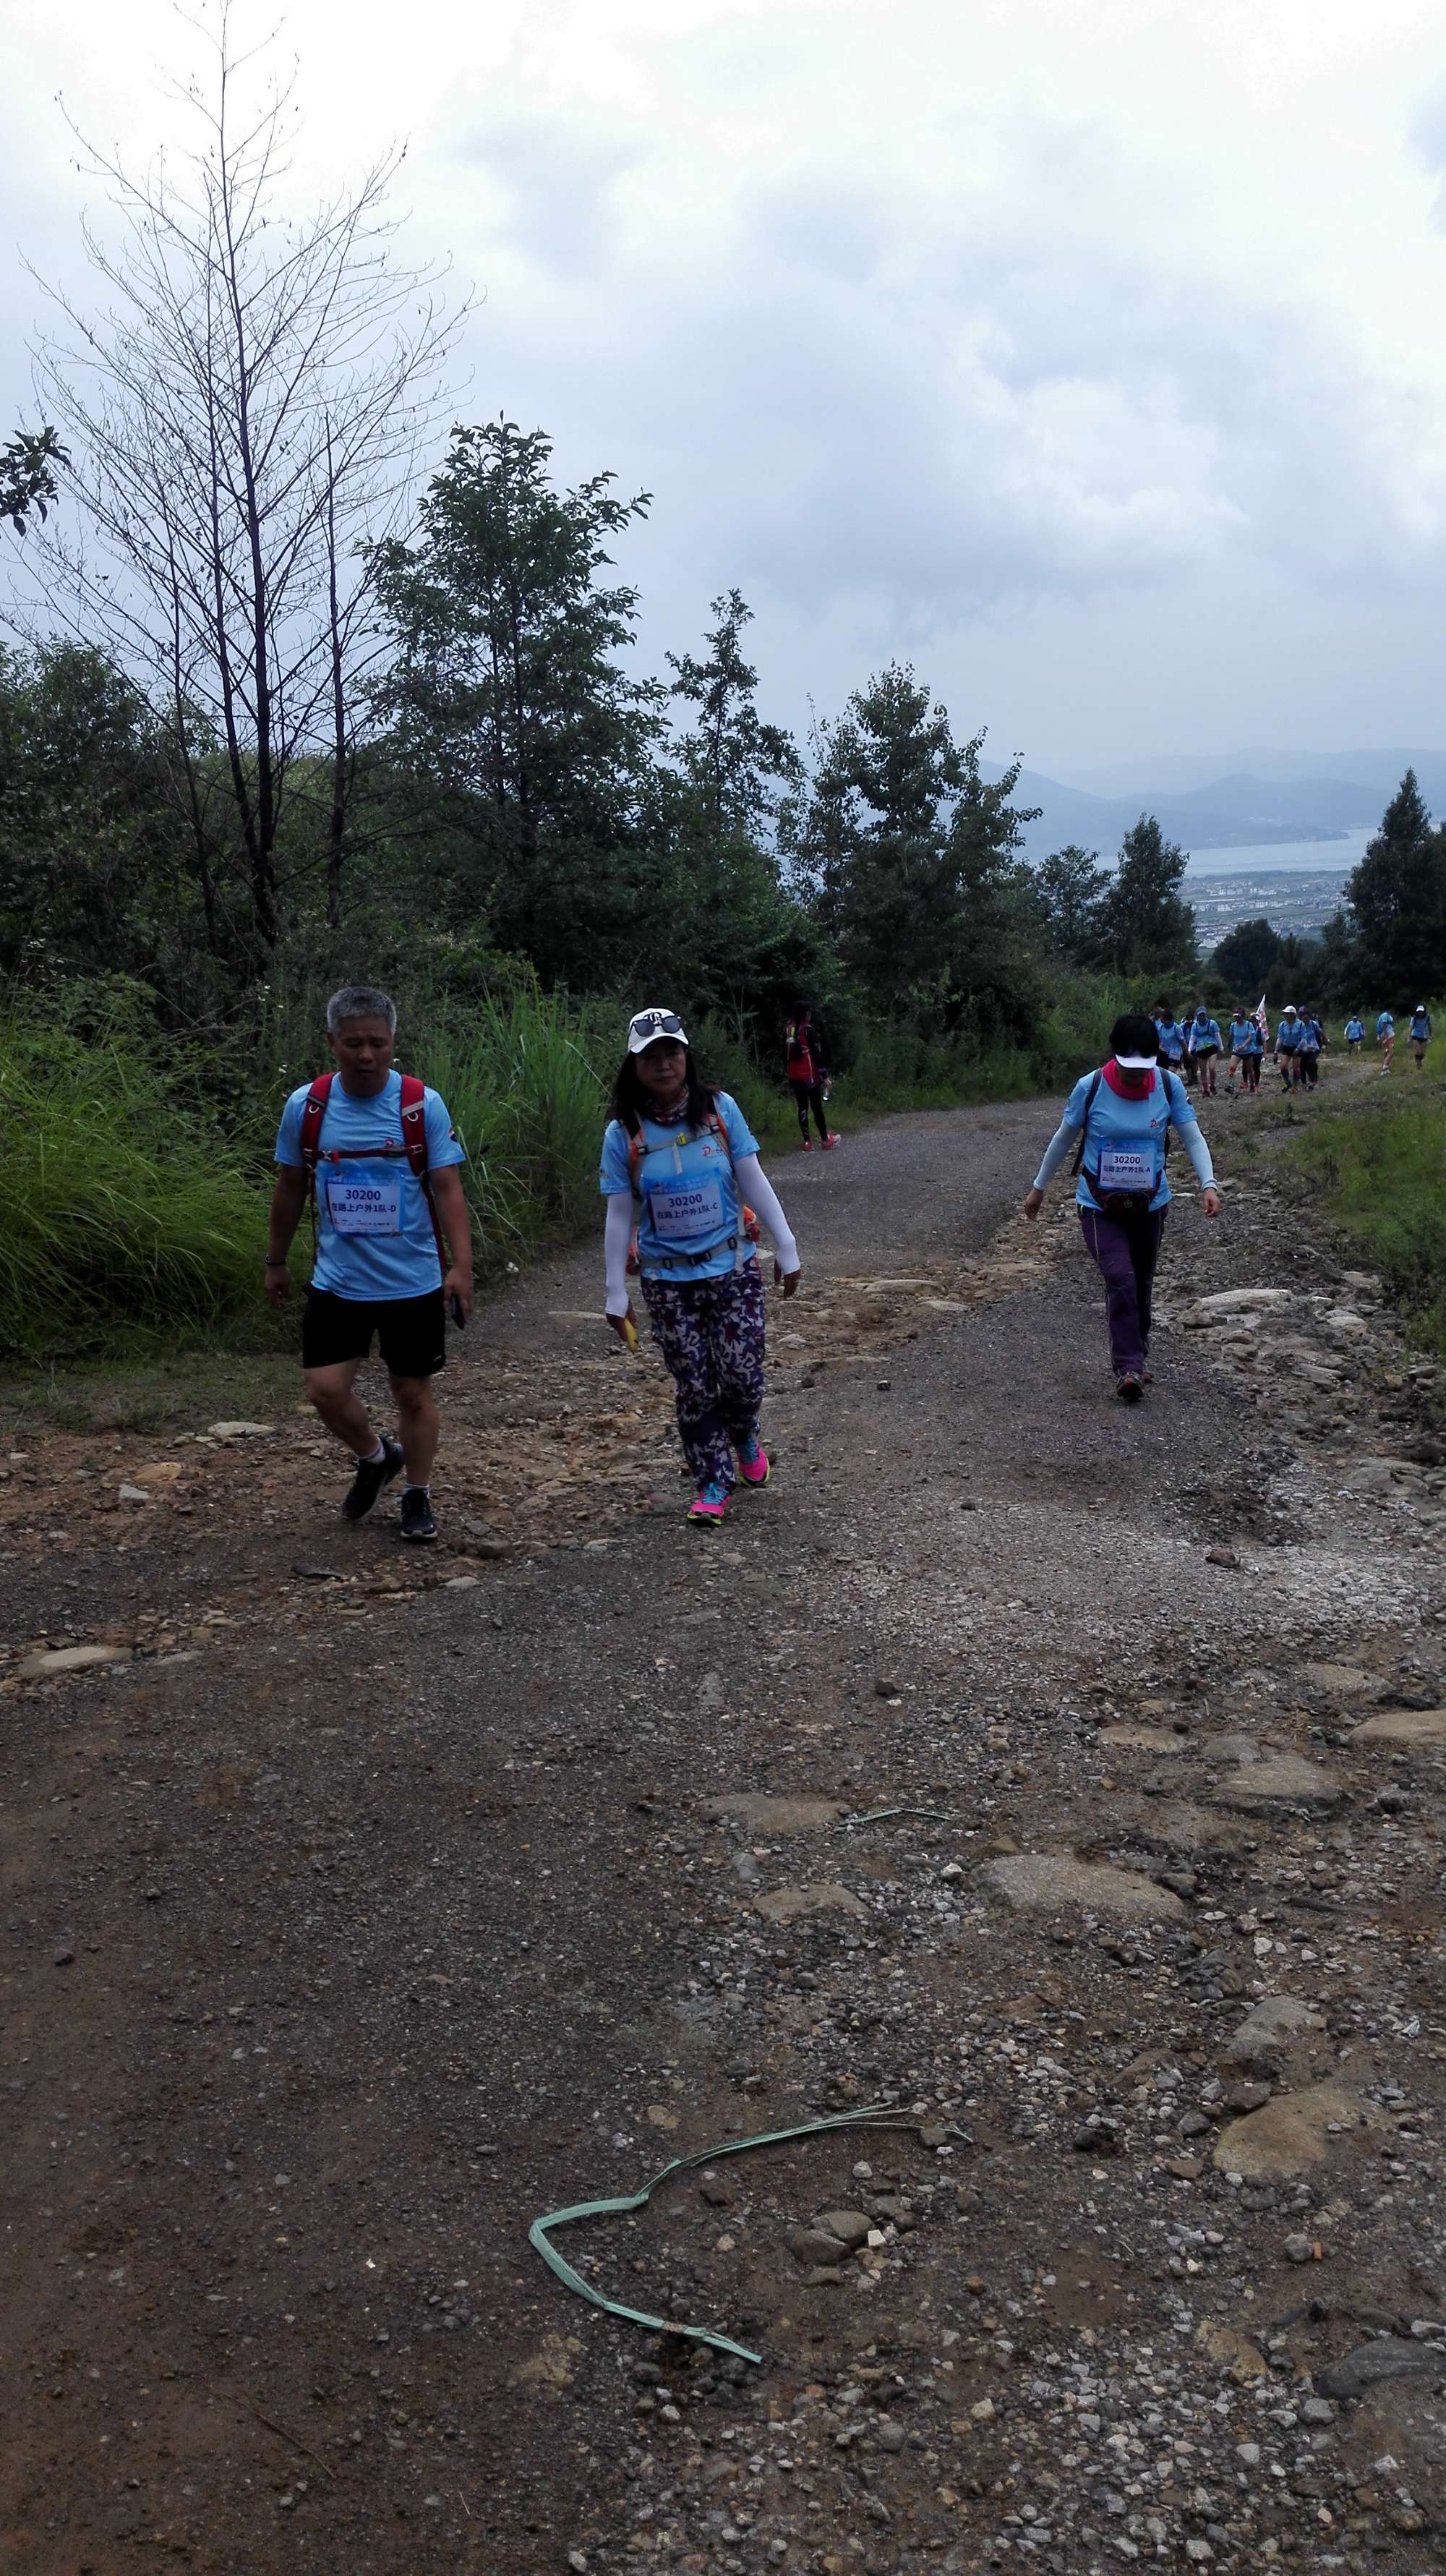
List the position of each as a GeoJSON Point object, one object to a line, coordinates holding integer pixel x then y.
{"type": "Point", "coordinates": [243, 422]}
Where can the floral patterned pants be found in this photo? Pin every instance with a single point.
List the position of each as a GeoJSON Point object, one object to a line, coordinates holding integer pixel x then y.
{"type": "Point", "coordinates": [710, 1332]}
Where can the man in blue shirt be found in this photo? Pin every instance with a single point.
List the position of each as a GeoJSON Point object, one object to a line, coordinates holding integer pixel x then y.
{"type": "Point", "coordinates": [1355, 1032]}
{"type": "Point", "coordinates": [1419, 1033]}
{"type": "Point", "coordinates": [381, 1207]}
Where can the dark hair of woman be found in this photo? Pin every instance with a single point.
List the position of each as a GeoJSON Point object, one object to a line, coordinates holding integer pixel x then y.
{"type": "Point", "coordinates": [630, 1103]}
{"type": "Point", "coordinates": [1134, 1033]}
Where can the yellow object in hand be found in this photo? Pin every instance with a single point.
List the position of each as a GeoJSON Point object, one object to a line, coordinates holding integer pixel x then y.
{"type": "Point", "coordinates": [630, 1333]}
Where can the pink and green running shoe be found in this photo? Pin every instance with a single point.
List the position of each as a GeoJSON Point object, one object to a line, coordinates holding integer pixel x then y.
{"type": "Point", "coordinates": [709, 1504]}
{"type": "Point", "coordinates": [753, 1461]}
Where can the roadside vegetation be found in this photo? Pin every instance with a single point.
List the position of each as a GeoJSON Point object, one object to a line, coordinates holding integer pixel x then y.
{"type": "Point", "coordinates": [1378, 1171]}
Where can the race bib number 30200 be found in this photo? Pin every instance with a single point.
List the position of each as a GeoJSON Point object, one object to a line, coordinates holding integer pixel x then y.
{"type": "Point", "coordinates": [362, 1202]}
{"type": "Point", "coordinates": [686, 1211]}
{"type": "Point", "coordinates": [1127, 1167]}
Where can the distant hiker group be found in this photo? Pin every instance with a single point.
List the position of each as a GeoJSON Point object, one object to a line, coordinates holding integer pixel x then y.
{"type": "Point", "coordinates": [377, 1156]}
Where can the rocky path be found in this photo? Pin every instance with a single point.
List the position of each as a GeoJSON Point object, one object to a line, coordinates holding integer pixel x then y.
{"type": "Point", "coordinates": [1067, 1779]}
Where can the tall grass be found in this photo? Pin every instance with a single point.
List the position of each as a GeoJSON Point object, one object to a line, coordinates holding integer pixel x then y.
{"type": "Point", "coordinates": [526, 1082]}
{"type": "Point", "coordinates": [1380, 1173]}
{"type": "Point", "coordinates": [136, 1166]}
{"type": "Point", "coordinates": [119, 1206]}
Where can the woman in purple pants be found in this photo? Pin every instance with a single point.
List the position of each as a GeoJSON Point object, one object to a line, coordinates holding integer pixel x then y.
{"type": "Point", "coordinates": [1119, 1121]}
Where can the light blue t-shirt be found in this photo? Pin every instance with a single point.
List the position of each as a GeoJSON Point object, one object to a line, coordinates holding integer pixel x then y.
{"type": "Point", "coordinates": [1172, 1039]}
{"type": "Point", "coordinates": [1420, 1024]}
{"type": "Point", "coordinates": [1244, 1037]}
{"type": "Point", "coordinates": [1125, 1139]}
{"type": "Point", "coordinates": [1204, 1033]}
{"type": "Point", "coordinates": [1386, 1024]}
{"type": "Point", "coordinates": [373, 1225]}
{"type": "Point", "coordinates": [1355, 1029]}
{"type": "Point", "coordinates": [1289, 1037]}
{"type": "Point", "coordinates": [690, 1218]}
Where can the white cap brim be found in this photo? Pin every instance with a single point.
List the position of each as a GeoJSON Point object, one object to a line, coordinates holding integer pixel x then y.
{"type": "Point", "coordinates": [1136, 1063]}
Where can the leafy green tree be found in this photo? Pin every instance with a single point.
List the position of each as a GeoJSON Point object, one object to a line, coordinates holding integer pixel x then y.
{"type": "Point", "coordinates": [92, 874]}
{"type": "Point", "coordinates": [735, 765]}
{"type": "Point", "coordinates": [1245, 957]}
{"type": "Point", "coordinates": [911, 856]}
{"type": "Point", "coordinates": [27, 475]}
{"type": "Point", "coordinates": [1145, 925]}
{"type": "Point", "coordinates": [876, 829]}
{"type": "Point", "coordinates": [522, 743]}
{"type": "Point", "coordinates": [1398, 896]}
{"type": "Point", "coordinates": [1069, 885]}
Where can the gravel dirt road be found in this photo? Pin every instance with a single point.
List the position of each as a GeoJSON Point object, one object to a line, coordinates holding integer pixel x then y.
{"type": "Point", "coordinates": [357, 1910]}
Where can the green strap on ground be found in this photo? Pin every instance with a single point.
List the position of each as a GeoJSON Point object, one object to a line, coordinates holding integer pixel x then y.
{"type": "Point", "coordinates": [880, 2117]}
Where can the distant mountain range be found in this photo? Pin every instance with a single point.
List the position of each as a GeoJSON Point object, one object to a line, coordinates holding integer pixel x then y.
{"type": "Point", "coordinates": [1249, 797]}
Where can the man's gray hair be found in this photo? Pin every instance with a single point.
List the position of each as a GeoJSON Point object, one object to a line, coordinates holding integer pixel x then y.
{"type": "Point", "coordinates": [360, 1002]}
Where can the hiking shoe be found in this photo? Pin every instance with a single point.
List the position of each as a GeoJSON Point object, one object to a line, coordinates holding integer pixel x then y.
{"type": "Point", "coordinates": [367, 1483]}
{"type": "Point", "coordinates": [1129, 1388]}
{"type": "Point", "coordinates": [808, 1144]}
{"type": "Point", "coordinates": [830, 1141]}
{"type": "Point", "coordinates": [753, 1461]}
{"type": "Point", "coordinates": [417, 1521]}
{"type": "Point", "coordinates": [709, 1504]}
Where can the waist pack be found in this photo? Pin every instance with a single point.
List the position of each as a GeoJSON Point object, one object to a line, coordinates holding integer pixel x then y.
{"type": "Point", "coordinates": [1118, 1204]}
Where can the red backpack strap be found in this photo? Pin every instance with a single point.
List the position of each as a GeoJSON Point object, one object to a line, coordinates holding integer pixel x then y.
{"type": "Point", "coordinates": [747, 1216]}
{"type": "Point", "coordinates": [414, 1124]}
{"type": "Point", "coordinates": [414, 1138]}
{"type": "Point", "coordinates": [312, 1114]}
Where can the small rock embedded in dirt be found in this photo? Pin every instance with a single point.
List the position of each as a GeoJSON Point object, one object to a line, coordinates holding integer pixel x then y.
{"type": "Point", "coordinates": [849, 2225]}
{"type": "Point", "coordinates": [786, 1904]}
{"type": "Point", "coordinates": [1298, 2249]}
{"type": "Point", "coordinates": [1282, 1780]}
{"type": "Point", "coordinates": [134, 1494]}
{"type": "Point", "coordinates": [241, 1430]}
{"type": "Point", "coordinates": [887, 1690]}
{"type": "Point", "coordinates": [1041, 1882]}
{"type": "Point", "coordinates": [1223, 1556]}
{"type": "Point", "coordinates": [817, 2245]}
{"type": "Point", "coordinates": [1279, 2025]}
{"type": "Point", "coordinates": [1236, 2351]}
{"type": "Point", "coordinates": [316, 1573]}
{"type": "Point", "coordinates": [1288, 2135]}
{"type": "Point", "coordinates": [1402, 1726]}
{"type": "Point", "coordinates": [63, 1957]}
{"type": "Point", "coordinates": [765, 1815]}
{"type": "Point", "coordinates": [1372, 2364]}
{"type": "Point", "coordinates": [68, 1659]}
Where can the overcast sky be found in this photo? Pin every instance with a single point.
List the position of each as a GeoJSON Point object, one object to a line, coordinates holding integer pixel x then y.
{"type": "Point", "coordinates": [1089, 353]}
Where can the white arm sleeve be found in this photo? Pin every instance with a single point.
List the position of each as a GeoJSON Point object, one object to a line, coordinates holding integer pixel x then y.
{"type": "Point", "coordinates": [1199, 1153]}
{"type": "Point", "coordinates": [616, 1239]}
{"type": "Point", "coordinates": [763, 1199]}
{"type": "Point", "coordinates": [1054, 1153]}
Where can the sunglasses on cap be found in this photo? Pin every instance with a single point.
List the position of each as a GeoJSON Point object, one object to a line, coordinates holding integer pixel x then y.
{"type": "Point", "coordinates": [649, 1025]}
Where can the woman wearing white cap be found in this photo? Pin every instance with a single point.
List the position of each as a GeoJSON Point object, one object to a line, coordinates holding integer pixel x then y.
{"type": "Point", "coordinates": [1120, 1119]}
{"type": "Point", "coordinates": [683, 1156]}
{"type": "Point", "coordinates": [1420, 1033]}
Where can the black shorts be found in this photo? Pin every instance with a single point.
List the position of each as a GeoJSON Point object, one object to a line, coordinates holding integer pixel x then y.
{"type": "Point", "coordinates": [411, 1331]}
